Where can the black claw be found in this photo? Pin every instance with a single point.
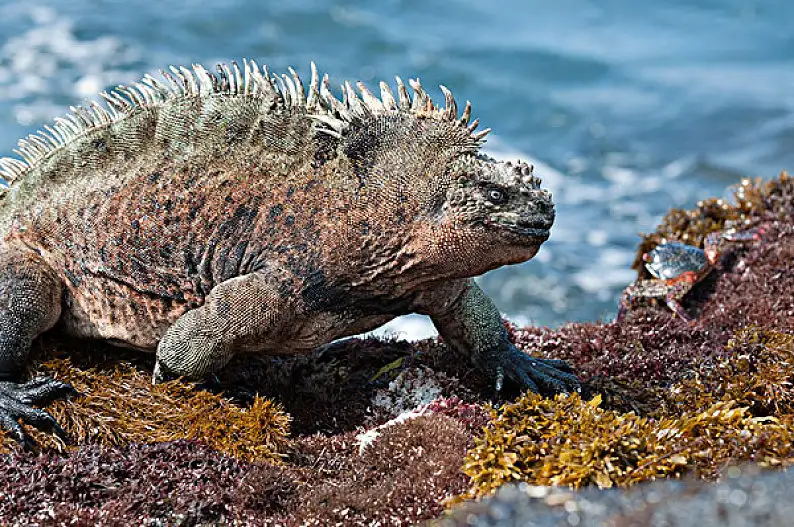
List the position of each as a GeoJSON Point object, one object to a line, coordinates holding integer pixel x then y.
{"type": "Point", "coordinates": [557, 364]}
{"type": "Point", "coordinates": [44, 393]}
{"type": "Point", "coordinates": [16, 402]}
{"type": "Point", "coordinates": [558, 378]}
{"type": "Point", "coordinates": [544, 376]}
{"type": "Point", "coordinates": [555, 385]}
{"type": "Point", "coordinates": [13, 428]}
{"type": "Point", "coordinates": [42, 420]}
{"type": "Point", "coordinates": [527, 382]}
{"type": "Point", "coordinates": [161, 374]}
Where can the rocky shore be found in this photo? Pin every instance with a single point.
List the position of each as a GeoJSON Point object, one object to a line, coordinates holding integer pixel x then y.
{"type": "Point", "coordinates": [375, 432]}
{"type": "Point", "coordinates": [746, 497]}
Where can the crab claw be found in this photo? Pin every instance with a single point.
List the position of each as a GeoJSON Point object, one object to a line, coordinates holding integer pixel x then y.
{"type": "Point", "coordinates": [748, 235]}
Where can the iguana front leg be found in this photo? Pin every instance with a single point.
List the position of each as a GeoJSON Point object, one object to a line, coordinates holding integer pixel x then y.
{"type": "Point", "coordinates": [237, 312]}
{"type": "Point", "coordinates": [469, 322]}
{"type": "Point", "coordinates": [30, 303]}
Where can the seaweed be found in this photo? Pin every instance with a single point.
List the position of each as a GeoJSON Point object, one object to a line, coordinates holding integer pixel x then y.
{"type": "Point", "coordinates": [757, 373]}
{"type": "Point", "coordinates": [175, 483]}
{"type": "Point", "coordinates": [570, 441]}
{"type": "Point", "coordinates": [118, 405]}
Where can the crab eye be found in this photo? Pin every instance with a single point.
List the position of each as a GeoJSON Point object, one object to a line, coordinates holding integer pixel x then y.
{"type": "Point", "coordinates": [497, 196]}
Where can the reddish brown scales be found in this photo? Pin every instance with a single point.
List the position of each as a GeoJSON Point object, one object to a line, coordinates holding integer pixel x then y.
{"type": "Point", "coordinates": [236, 213]}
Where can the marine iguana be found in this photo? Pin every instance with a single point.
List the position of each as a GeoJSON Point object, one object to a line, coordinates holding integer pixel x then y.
{"type": "Point", "coordinates": [204, 214]}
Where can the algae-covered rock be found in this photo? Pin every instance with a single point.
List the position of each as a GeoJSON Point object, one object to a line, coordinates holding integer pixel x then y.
{"type": "Point", "coordinates": [273, 440]}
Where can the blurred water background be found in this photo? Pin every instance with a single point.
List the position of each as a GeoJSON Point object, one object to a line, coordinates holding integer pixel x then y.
{"type": "Point", "coordinates": [626, 108]}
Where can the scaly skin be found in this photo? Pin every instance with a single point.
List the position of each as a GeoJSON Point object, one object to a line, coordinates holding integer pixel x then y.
{"type": "Point", "coordinates": [229, 214]}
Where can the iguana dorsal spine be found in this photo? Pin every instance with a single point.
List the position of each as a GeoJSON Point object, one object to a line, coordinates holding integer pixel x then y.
{"type": "Point", "coordinates": [285, 91]}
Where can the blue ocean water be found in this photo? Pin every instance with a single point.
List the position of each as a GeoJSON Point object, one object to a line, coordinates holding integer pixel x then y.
{"type": "Point", "coordinates": [626, 108]}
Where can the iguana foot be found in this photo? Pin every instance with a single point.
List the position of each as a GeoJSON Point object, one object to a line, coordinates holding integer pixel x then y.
{"type": "Point", "coordinates": [17, 400]}
{"type": "Point", "coordinates": [543, 376]}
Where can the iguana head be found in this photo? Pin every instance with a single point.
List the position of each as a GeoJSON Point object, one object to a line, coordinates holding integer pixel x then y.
{"type": "Point", "coordinates": [497, 209]}
{"type": "Point", "coordinates": [457, 211]}
{"type": "Point", "coordinates": [417, 169]}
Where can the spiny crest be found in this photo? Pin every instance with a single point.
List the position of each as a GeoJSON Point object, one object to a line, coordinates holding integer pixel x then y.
{"type": "Point", "coordinates": [332, 115]}
{"type": "Point", "coordinates": [337, 115]}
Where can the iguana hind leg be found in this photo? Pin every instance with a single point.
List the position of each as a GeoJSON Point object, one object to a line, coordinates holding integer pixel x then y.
{"type": "Point", "coordinates": [30, 303]}
{"type": "Point", "coordinates": [238, 312]}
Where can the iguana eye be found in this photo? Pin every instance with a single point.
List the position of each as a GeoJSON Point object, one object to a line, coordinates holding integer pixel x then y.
{"type": "Point", "coordinates": [497, 196]}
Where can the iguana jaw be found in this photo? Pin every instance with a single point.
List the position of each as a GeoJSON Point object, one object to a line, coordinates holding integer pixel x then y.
{"type": "Point", "coordinates": [521, 229]}
{"type": "Point", "coordinates": [527, 233]}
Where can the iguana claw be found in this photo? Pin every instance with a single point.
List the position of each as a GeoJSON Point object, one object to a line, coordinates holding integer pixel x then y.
{"type": "Point", "coordinates": [543, 376]}
{"type": "Point", "coordinates": [16, 403]}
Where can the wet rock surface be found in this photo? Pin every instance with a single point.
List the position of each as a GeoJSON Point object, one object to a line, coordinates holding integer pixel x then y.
{"type": "Point", "coordinates": [745, 497]}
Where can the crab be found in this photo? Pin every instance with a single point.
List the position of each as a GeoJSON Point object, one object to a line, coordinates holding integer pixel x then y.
{"type": "Point", "coordinates": [676, 268]}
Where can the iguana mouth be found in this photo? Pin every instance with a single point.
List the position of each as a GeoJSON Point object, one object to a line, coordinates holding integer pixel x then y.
{"type": "Point", "coordinates": [535, 231]}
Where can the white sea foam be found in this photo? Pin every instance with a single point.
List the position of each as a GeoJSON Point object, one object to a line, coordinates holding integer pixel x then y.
{"type": "Point", "coordinates": [50, 58]}
{"type": "Point", "coordinates": [408, 327]}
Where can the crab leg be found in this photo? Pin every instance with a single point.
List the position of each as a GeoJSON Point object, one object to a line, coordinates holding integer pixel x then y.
{"type": "Point", "coordinates": [678, 309]}
{"type": "Point", "coordinates": [711, 245]}
{"type": "Point", "coordinates": [674, 294]}
{"type": "Point", "coordinates": [640, 293]}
